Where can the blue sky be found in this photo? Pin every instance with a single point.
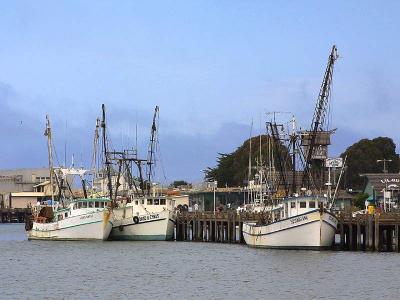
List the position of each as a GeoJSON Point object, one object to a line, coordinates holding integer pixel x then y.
{"type": "Point", "coordinates": [211, 66]}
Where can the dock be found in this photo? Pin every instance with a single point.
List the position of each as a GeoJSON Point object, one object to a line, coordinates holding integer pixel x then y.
{"type": "Point", "coordinates": [361, 232]}
{"type": "Point", "coordinates": [14, 215]}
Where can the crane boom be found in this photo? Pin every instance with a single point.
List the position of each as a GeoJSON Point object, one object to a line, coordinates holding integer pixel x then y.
{"type": "Point", "coordinates": [321, 107]}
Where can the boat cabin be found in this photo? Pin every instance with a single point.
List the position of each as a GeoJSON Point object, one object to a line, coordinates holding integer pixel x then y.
{"type": "Point", "coordinates": [154, 204]}
{"type": "Point", "coordinates": [295, 206]}
{"type": "Point", "coordinates": [82, 206]}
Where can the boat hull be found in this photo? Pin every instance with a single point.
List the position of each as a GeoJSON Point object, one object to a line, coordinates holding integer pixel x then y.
{"type": "Point", "coordinates": [313, 230]}
{"type": "Point", "coordinates": [90, 226]}
{"type": "Point", "coordinates": [147, 227]}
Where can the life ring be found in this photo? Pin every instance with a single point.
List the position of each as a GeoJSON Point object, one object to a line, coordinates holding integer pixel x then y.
{"type": "Point", "coordinates": [121, 228]}
{"type": "Point", "coordinates": [135, 219]}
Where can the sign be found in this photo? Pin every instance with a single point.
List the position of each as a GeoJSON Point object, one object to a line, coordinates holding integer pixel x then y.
{"type": "Point", "coordinates": [334, 162]}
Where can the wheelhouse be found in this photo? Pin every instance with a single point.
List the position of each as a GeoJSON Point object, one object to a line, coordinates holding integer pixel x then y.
{"type": "Point", "coordinates": [299, 205]}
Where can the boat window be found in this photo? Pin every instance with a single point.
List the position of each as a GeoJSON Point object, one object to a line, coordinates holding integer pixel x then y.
{"type": "Point", "coordinates": [149, 201]}
{"type": "Point", "coordinates": [142, 201]}
{"type": "Point", "coordinates": [303, 204]}
{"type": "Point", "coordinates": [91, 204]}
{"type": "Point", "coordinates": [96, 204]}
{"type": "Point", "coordinates": [66, 214]}
{"type": "Point", "coordinates": [156, 201]}
{"type": "Point", "coordinates": [292, 204]}
{"type": "Point", "coordinates": [136, 202]}
{"type": "Point", "coordinates": [311, 204]}
{"type": "Point", "coordinates": [84, 204]}
{"type": "Point", "coordinates": [162, 201]}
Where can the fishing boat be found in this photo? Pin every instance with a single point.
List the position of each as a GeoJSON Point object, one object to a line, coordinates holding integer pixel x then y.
{"type": "Point", "coordinates": [82, 219]}
{"type": "Point", "coordinates": [140, 212]}
{"type": "Point", "coordinates": [68, 218]}
{"type": "Point", "coordinates": [304, 223]}
{"type": "Point", "coordinates": [300, 219]}
{"type": "Point", "coordinates": [145, 219]}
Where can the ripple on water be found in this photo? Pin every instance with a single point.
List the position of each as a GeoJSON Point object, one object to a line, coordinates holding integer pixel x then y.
{"type": "Point", "coordinates": [39, 269]}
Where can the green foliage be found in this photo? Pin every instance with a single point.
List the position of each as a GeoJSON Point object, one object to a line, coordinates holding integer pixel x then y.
{"type": "Point", "coordinates": [362, 158]}
{"type": "Point", "coordinates": [232, 169]}
{"type": "Point", "coordinates": [359, 200]}
{"type": "Point", "coordinates": [177, 183]}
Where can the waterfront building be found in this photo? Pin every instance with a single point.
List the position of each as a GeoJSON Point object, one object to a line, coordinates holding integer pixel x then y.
{"type": "Point", "coordinates": [383, 189]}
{"type": "Point", "coordinates": [20, 188]}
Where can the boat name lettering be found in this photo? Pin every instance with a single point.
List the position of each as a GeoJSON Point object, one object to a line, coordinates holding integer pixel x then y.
{"type": "Point", "coordinates": [149, 217]}
{"type": "Point", "coordinates": [298, 219]}
{"type": "Point", "coordinates": [332, 219]}
{"type": "Point", "coordinates": [86, 217]}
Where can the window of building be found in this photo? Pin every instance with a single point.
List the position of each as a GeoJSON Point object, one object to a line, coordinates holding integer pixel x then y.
{"type": "Point", "coordinates": [156, 201]}
{"type": "Point", "coordinates": [91, 204]}
{"type": "Point", "coordinates": [311, 204]}
{"type": "Point", "coordinates": [162, 201]}
{"type": "Point", "coordinates": [292, 204]}
{"type": "Point", "coordinates": [96, 204]}
{"type": "Point", "coordinates": [303, 204]}
{"type": "Point", "coordinates": [149, 201]}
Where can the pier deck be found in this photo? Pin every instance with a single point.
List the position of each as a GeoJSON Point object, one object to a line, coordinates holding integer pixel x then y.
{"type": "Point", "coordinates": [378, 232]}
{"type": "Point", "coordinates": [14, 215]}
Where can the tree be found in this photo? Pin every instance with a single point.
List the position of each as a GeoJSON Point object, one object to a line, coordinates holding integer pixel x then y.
{"type": "Point", "coordinates": [178, 183]}
{"type": "Point", "coordinates": [232, 168]}
{"type": "Point", "coordinates": [359, 200]}
{"type": "Point", "coordinates": [362, 158]}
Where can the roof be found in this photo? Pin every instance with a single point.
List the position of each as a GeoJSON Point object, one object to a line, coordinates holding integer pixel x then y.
{"type": "Point", "coordinates": [42, 183]}
{"type": "Point", "coordinates": [380, 181]}
{"type": "Point", "coordinates": [28, 194]}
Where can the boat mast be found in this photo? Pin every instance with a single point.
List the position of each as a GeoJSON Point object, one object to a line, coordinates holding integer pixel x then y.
{"type": "Point", "coordinates": [293, 140]}
{"type": "Point", "coordinates": [151, 149]}
{"type": "Point", "coordinates": [249, 174]}
{"type": "Point", "coordinates": [107, 162]}
{"type": "Point", "coordinates": [50, 154]}
{"type": "Point", "coordinates": [95, 146]}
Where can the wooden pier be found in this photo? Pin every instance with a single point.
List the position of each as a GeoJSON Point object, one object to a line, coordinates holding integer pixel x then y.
{"type": "Point", "coordinates": [378, 232]}
{"type": "Point", "coordinates": [14, 215]}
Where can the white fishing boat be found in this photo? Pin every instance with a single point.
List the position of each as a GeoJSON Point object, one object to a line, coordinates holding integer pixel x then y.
{"type": "Point", "coordinates": [145, 219]}
{"type": "Point", "coordinates": [68, 218]}
{"type": "Point", "coordinates": [303, 223]}
{"type": "Point", "coordinates": [82, 219]}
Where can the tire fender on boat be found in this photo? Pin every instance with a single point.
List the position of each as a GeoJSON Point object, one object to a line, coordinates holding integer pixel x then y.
{"type": "Point", "coordinates": [135, 219]}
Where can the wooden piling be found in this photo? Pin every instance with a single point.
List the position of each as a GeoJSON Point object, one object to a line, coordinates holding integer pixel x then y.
{"type": "Point", "coordinates": [377, 241]}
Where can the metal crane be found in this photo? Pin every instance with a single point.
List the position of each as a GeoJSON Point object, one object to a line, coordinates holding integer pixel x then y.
{"type": "Point", "coordinates": [317, 137]}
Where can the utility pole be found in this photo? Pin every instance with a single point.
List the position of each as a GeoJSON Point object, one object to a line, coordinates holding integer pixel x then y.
{"type": "Point", "coordinates": [384, 161]}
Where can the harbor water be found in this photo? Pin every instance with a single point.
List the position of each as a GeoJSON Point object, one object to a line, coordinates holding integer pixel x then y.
{"type": "Point", "coordinates": [187, 270]}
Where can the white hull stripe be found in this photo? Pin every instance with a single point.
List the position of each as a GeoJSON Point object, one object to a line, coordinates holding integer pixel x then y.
{"type": "Point", "coordinates": [329, 224]}
{"type": "Point", "coordinates": [268, 233]}
{"type": "Point", "coordinates": [69, 226]}
{"type": "Point", "coordinates": [141, 222]}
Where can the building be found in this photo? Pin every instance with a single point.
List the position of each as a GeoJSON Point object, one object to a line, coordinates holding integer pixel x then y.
{"type": "Point", "coordinates": [383, 188]}
{"type": "Point", "coordinates": [20, 188]}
